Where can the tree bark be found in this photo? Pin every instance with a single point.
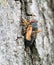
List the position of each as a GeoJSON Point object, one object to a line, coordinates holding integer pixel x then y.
{"type": "Point", "coordinates": [11, 41]}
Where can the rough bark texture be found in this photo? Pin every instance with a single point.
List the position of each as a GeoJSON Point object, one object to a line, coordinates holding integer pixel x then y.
{"type": "Point", "coordinates": [11, 41]}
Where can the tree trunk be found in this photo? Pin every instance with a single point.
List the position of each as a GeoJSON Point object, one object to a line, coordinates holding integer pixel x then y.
{"type": "Point", "coordinates": [11, 41]}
